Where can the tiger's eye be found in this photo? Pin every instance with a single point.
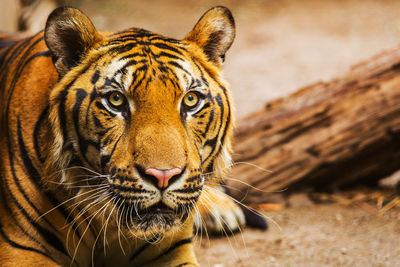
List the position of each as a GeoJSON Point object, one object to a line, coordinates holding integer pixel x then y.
{"type": "Point", "coordinates": [116, 99]}
{"type": "Point", "coordinates": [190, 100]}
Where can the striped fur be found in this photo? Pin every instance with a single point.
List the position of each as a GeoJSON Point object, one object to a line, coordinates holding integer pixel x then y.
{"type": "Point", "coordinates": [74, 191]}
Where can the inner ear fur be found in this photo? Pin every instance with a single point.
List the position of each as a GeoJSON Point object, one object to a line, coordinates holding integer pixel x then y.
{"type": "Point", "coordinates": [214, 33]}
{"type": "Point", "coordinates": [69, 34]}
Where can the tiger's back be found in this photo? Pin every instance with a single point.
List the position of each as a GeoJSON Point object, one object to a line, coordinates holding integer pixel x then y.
{"type": "Point", "coordinates": [20, 136]}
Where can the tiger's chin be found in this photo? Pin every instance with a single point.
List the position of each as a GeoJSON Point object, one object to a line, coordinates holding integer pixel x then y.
{"type": "Point", "coordinates": [156, 219]}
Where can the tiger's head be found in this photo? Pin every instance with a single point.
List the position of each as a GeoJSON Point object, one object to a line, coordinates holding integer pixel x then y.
{"type": "Point", "coordinates": [138, 118]}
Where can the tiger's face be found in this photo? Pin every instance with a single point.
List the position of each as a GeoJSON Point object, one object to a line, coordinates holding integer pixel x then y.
{"type": "Point", "coordinates": [139, 118]}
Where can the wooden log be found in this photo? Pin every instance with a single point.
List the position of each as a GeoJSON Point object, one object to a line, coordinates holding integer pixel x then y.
{"type": "Point", "coordinates": [325, 136]}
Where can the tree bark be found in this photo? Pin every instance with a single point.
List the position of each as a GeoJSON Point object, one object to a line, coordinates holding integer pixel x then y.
{"type": "Point", "coordinates": [325, 136]}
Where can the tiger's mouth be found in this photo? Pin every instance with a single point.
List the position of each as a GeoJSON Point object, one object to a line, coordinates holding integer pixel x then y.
{"type": "Point", "coordinates": [156, 218]}
{"type": "Point", "coordinates": [158, 208]}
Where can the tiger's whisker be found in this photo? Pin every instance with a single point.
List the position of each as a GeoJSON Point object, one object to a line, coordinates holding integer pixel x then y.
{"type": "Point", "coordinates": [72, 198]}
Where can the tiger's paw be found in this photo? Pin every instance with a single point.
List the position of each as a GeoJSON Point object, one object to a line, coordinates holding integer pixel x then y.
{"type": "Point", "coordinates": [218, 214]}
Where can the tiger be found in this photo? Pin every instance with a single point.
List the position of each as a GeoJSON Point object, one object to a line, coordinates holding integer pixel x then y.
{"type": "Point", "coordinates": [113, 145]}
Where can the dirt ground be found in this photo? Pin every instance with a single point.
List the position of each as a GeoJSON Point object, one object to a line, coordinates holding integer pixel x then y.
{"type": "Point", "coordinates": [280, 47]}
{"type": "Point", "coordinates": [312, 235]}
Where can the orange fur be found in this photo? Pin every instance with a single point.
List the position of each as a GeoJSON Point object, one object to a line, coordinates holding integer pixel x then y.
{"type": "Point", "coordinates": [72, 165]}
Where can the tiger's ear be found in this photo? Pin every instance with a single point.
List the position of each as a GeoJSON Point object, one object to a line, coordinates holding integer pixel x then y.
{"type": "Point", "coordinates": [69, 34]}
{"type": "Point", "coordinates": [214, 33]}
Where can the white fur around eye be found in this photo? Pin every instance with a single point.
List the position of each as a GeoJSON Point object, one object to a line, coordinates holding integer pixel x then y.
{"type": "Point", "coordinates": [198, 107]}
{"type": "Point", "coordinates": [105, 103]}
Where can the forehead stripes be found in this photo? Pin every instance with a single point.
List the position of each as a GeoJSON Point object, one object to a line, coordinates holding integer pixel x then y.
{"type": "Point", "coordinates": [152, 58]}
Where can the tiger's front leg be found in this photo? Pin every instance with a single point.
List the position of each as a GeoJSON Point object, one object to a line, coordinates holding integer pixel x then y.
{"type": "Point", "coordinates": [218, 212]}
{"type": "Point", "coordinates": [15, 257]}
{"type": "Point", "coordinates": [182, 256]}
{"type": "Point", "coordinates": [18, 250]}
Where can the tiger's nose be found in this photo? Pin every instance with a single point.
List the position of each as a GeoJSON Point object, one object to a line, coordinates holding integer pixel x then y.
{"type": "Point", "coordinates": [163, 176]}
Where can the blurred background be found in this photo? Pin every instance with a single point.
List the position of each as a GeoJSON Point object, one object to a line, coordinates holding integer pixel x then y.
{"type": "Point", "coordinates": [280, 46]}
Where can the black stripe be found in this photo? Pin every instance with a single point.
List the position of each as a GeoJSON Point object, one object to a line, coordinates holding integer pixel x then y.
{"type": "Point", "coordinates": [21, 67]}
{"type": "Point", "coordinates": [136, 35]}
{"type": "Point", "coordinates": [183, 264]}
{"type": "Point", "coordinates": [188, 189]}
{"type": "Point", "coordinates": [167, 47]}
{"type": "Point", "coordinates": [19, 46]}
{"type": "Point", "coordinates": [136, 54]}
{"type": "Point", "coordinates": [80, 97]}
{"type": "Point", "coordinates": [128, 189]}
{"type": "Point", "coordinates": [101, 133]}
{"type": "Point", "coordinates": [139, 251]}
{"type": "Point", "coordinates": [143, 68]}
{"type": "Point", "coordinates": [29, 236]}
{"type": "Point", "coordinates": [205, 106]}
{"type": "Point", "coordinates": [63, 98]}
{"type": "Point", "coordinates": [35, 175]}
{"type": "Point", "coordinates": [130, 199]}
{"type": "Point", "coordinates": [42, 118]}
{"type": "Point", "coordinates": [122, 179]}
{"type": "Point", "coordinates": [210, 120]}
{"type": "Point", "coordinates": [173, 247]}
{"type": "Point", "coordinates": [100, 105]}
{"type": "Point", "coordinates": [61, 113]}
{"type": "Point", "coordinates": [32, 172]}
{"type": "Point", "coordinates": [188, 199]}
{"type": "Point", "coordinates": [228, 120]}
{"type": "Point", "coordinates": [213, 142]}
{"type": "Point", "coordinates": [165, 39]}
{"type": "Point", "coordinates": [104, 160]}
{"type": "Point", "coordinates": [168, 55]}
{"type": "Point", "coordinates": [193, 178]}
{"type": "Point", "coordinates": [179, 66]}
{"type": "Point", "coordinates": [95, 77]}
{"type": "Point", "coordinates": [138, 83]}
{"type": "Point", "coordinates": [19, 246]}
{"type": "Point", "coordinates": [6, 51]}
{"type": "Point", "coordinates": [3, 55]}
{"type": "Point", "coordinates": [108, 140]}
{"type": "Point", "coordinates": [6, 43]}
{"type": "Point", "coordinates": [130, 40]}
{"type": "Point", "coordinates": [115, 146]}
{"type": "Point", "coordinates": [120, 34]}
{"type": "Point", "coordinates": [97, 123]}
{"type": "Point", "coordinates": [47, 235]}
{"type": "Point", "coordinates": [93, 95]}
{"type": "Point", "coordinates": [202, 109]}
{"type": "Point", "coordinates": [201, 74]}
{"type": "Point", "coordinates": [71, 221]}
{"type": "Point", "coordinates": [146, 245]}
{"type": "Point", "coordinates": [127, 64]}
{"type": "Point", "coordinates": [119, 47]}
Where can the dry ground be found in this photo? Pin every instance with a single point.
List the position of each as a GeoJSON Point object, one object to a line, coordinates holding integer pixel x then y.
{"type": "Point", "coordinates": [317, 235]}
{"type": "Point", "coordinates": [281, 46]}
